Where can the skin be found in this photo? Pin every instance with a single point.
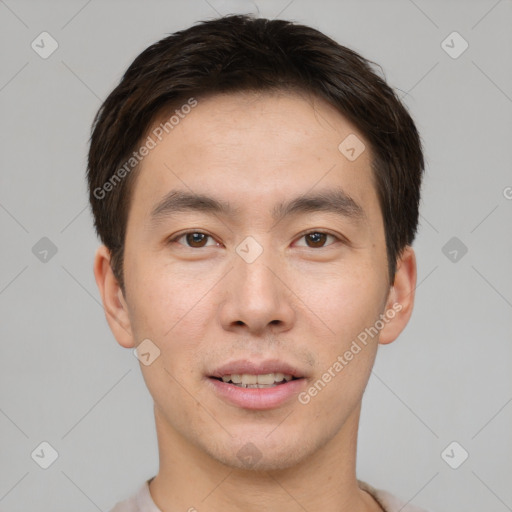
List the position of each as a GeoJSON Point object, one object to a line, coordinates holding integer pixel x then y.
{"type": "Point", "coordinates": [203, 306]}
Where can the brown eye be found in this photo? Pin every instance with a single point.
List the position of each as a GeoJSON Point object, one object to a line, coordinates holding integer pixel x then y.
{"type": "Point", "coordinates": [196, 239]}
{"type": "Point", "coordinates": [316, 239]}
{"type": "Point", "coordinates": [193, 240]}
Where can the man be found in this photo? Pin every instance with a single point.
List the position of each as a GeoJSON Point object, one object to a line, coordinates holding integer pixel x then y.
{"type": "Point", "coordinates": [256, 188]}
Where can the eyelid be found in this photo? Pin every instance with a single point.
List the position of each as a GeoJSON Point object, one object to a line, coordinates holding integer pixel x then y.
{"type": "Point", "coordinates": [336, 236]}
{"type": "Point", "coordinates": [176, 237]}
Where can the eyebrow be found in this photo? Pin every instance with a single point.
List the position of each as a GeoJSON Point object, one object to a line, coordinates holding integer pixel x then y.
{"type": "Point", "coordinates": [333, 200]}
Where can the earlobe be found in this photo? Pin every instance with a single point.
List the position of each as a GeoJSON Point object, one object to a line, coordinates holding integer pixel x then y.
{"type": "Point", "coordinates": [114, 304]}
{"type": "Point", "coordinates": [400, 301]}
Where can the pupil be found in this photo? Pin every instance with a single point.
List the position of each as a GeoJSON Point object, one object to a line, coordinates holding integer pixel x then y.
{"type": "Point", "coordinates": [195, 238]}
{"type": "Point", "coordinates": [317, 238]}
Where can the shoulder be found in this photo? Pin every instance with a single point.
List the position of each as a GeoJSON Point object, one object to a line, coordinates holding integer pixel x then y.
{"type": "Point", "coordinates": [128, 505]}
{"type": "Point", "coordinates": [141, 501]}
{"type": "Point", "coordinates": [388, 501]}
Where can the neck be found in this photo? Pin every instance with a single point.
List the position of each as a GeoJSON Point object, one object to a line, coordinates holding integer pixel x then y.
{"type": "Point", "coordinates": [190, 479]}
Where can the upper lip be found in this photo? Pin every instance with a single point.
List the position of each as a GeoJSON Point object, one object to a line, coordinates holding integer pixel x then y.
{"type": "Point", "coordinates": [245, 366]}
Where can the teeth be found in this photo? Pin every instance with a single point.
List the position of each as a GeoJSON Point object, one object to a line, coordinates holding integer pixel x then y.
{"type": "Point", "coordinates": [267, 378]}
{"type": "Point", "coordinates": [250, 379]}
{"type": "Point", "coordinates": [257, 381]}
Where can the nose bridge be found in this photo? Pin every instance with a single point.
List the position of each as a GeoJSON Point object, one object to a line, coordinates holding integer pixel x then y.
{"type": "Point", "coordinates": [255, 281]}
{"type": "Point", "coordinates": [256, 297]}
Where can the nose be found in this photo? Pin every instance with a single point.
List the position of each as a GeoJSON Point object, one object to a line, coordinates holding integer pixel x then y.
{"type": "Point", "coordinates": [258, 299]}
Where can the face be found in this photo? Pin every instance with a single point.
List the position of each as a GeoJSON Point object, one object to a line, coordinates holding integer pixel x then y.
{"type": "Point", "coordinates": [268, 278]}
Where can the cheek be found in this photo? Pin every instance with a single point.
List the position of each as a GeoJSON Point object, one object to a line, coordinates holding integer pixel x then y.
{"type": "Point", "coordinates": [169, 303]}
{"type": "Point", "coordinates": [352, 303]}
{"type": "Point", "coordinates": [343, 303]}
{"type": "Point", "coordinates": [345, 361]}
{"type": "Point", "coordinates": [171, 314]}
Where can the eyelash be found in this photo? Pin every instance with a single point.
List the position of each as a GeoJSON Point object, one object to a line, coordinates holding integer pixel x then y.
{"type": "Point", "coordinates": [181, 235]}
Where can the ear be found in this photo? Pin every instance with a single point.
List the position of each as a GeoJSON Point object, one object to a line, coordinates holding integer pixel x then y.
{"type": "Point", "coordinates": [400, 300]}
{"type": "Point", "coordinates": [114, 304]}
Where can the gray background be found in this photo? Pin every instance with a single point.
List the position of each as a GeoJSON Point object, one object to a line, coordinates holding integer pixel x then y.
{"type": "Point", "coordinates": [64, 379]}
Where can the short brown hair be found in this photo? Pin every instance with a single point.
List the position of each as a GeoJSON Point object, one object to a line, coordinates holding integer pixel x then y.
{"type": "Point", "coordinates": [241, 53]}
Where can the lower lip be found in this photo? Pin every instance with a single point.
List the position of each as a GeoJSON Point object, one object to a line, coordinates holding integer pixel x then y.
{"type": "Point", "coordinates": [257, 398]}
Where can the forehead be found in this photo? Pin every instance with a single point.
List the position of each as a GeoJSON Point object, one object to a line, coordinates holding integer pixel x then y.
{"type": "Point", "coordinates": [254, 149]}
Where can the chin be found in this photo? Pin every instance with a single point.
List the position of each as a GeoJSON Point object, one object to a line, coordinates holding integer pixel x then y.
{"type": "Point", "coordinates": [259, 453]}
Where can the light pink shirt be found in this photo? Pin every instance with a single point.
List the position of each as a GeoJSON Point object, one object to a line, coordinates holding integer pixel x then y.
{"type": "Point", "coordinates": [143, 502]}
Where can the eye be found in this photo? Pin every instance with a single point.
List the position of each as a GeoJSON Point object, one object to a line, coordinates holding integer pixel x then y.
{"type": "Point", "coordinates": [193, 239]}
{"type": "Point", "coordinates": [198, 239]}
{"type": "Point", "coordinates": [317, 239]}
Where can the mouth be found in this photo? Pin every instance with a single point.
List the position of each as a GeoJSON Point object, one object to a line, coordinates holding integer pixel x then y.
{"type": "Point", "coordinates": [258, 386]}
{"type": "Point", "coordinates": [261, 381]}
